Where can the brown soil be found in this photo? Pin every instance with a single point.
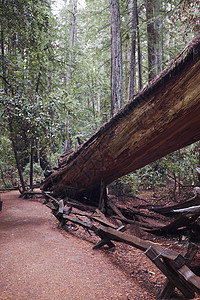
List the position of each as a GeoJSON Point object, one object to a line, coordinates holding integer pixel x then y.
{"type": "Point", "coordinates": [40, 261]}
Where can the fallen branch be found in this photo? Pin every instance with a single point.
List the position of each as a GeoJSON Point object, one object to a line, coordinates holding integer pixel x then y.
{"type": "Point", "coordinates": [169, 209]}
{"type": "Point", "coordinates": [189, 211]}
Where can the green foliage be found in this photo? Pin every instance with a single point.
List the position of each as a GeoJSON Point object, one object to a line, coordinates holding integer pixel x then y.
{"type": "Point", "coordinates": [8, 174]}
{"type": "Point", "coordinates": [37, 171]}
{"type": "Point", "coordinates": [26, 42]}
{"type": "Point", "coordinates": [187, 14]}
{"type": "Point", "coordinates": [175, 172]}
{"type": "Point", "coordinates": [6, 153]}
{"type": "Point", "coordinates": [150, 177]}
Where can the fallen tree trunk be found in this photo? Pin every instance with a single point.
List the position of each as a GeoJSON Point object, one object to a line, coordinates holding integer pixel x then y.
{"type": "Point", "coordinates": [163, 117]}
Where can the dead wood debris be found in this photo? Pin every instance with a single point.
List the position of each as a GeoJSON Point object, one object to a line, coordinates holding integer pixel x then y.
{"type": "Point", "coordinates": [110, 228]}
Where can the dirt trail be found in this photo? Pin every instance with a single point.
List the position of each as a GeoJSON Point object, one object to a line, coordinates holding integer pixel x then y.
{"type": "Point", "coordinates": [38, 262]}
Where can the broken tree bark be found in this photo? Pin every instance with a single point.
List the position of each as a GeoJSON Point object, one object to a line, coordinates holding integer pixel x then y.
{"type": "Point", "coordinates": [163, 117]}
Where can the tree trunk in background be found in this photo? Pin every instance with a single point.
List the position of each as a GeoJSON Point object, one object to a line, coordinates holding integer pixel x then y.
{"type": "Point", "coordinates": [127, 52]}
{"type": "Point", "coordinates": [38, 80]}
{"type": "Point", "coordinates": [72, 37]}
{"type": "Point", "coordinates": [126, 66]}
{"type": "Point", "coordinates": [2, 50]}
{"type": "Point", "coordinates": [31, 164]}
{"type": "Point", "coordinates": [139, 54]}
{"type": "Point", "coordinates": [158, 35]}
{"type": "Point", "coordinates": [73, 24]}
{"type": "Point", "coordinates": [2, 178]}
{"type": "Point", "coordinates": [154, 37]}
{"type": "Point", "coordinates": [116, 58]}
{"type": "Point", "coordinates": [68, 141]}
{"type": "Point", "coordinates": [151, 39]}
{"type": "Point", "coordinates": [16, 156]}
{"type": "Point", "coordinates": [132, 82]}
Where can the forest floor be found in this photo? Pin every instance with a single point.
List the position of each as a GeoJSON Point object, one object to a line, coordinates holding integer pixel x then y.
{"type": "Point", "coordinates": [40, 261]}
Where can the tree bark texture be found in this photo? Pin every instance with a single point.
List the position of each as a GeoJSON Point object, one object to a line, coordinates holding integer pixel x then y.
{"type": "Point", "coordinates": [151, 39]}
{"type": "Point", "coordinates": [31, 163]}
{"type": "Point", "coordinates": [72, 39]}
{"type": "Point", "coordinates": [163, 117]}
{"type": "Point", "coordinates": [116, 58]}
{"type": "Point", "coordinates": [133, 51]}
{"type": "Point", "coordinates": [2, 49]}
{"type": "Point", "coordinates": [158, 35]}
{"type": "Point", "coordinates": [139, 53]}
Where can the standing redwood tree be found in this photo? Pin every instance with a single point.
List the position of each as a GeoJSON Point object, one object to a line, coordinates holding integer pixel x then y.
{"type": "Point", "coordinates": [72, 37]}
{"type": "Point", "coordinates": [151, 39]}
{"type": "Point", "coordinates": [116, 58]}
{"type": "Point", "coordinates": [133, 50]}
{"type": "Point", "coordinates": [158, 34]}
{"type": "Point", "coordinates": [154, 37]}
{"type": "Point", "coordinates": [139, 51]}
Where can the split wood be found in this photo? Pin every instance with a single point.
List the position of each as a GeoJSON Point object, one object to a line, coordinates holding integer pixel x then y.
{"type": "Point", "coordinates": [172, 264]}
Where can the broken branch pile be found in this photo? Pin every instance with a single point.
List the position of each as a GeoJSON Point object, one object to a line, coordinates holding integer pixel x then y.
{"type": "Point", "coordinates": [172, 264]}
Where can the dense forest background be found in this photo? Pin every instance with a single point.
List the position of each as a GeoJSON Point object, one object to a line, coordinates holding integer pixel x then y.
{"type": "Point", "coordinates": [68, 66]}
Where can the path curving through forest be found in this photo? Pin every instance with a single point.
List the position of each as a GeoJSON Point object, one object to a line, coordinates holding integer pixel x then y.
{"type": "Point", "coordinates": [38, 262]}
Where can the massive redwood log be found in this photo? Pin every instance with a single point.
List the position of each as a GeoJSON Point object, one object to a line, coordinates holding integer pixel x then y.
{"type": "Point", "coordinates": [163, 117]}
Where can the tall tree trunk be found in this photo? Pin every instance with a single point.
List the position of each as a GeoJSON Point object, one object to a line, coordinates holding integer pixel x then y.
{"type": "Point", "coordinates": [127, 52]}
{"type": "Point", "coordinates": [139, 54]}
{"type": "Point", "coordinates": [72, 38]}
{"type": "Point", "coordinates": [151, 39]}
{"type": "Point", "coordinates": [154, 37]}
{"type": "Point", "coordinates": [127, 67]}
{"type": "Point", "coordinates": [2, 177]}
{"type": "Point", "coordinates": [116, 58]}
{"type": "Point", "coordinates": [3, 66]}
{"type": "Point", "coordinates": [158, 35]}
{"type": "Point", "coordinates": [38, 80]}
{"type": "Point", "coordinates": [16, 156]}
{"type": "Point", "coordinates": [68, 140]}
{"type": "Point", "coordinates": [31, 164]}
{"type": "Point", "coordinates": [73, 23]}
{"type": "Point", "coordinates": [92, 97]}
{"type": "Point", "coordinates": [132, 82]}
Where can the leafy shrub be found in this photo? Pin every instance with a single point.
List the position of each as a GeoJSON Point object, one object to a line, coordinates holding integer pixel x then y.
{"type": "Point", "coordinates": [174, 171]}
